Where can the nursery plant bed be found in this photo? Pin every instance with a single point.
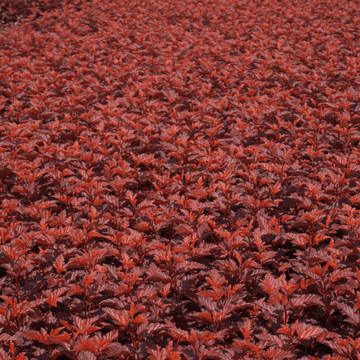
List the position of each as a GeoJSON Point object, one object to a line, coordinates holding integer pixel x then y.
{"type": "Point", "coordinates": [179, 180]}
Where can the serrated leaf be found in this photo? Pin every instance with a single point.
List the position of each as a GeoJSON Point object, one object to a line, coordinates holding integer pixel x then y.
{"type": "Point", "coordinates": [86, 355]}
{"type": "Point", "coordinates": [121, 318]}
{"type": "Point", "coordinates": [306, 300]}
{"type": "Point", "coordinates": [152, 328]}
{"type": "Point", "coordinates": [306, 332]}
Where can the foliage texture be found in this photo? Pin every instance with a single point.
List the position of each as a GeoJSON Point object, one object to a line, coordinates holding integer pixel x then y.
{"type": "Point", "coordinates": [180, 180]}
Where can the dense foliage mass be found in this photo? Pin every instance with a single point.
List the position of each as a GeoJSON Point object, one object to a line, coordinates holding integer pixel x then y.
{"type": "Point", "coordinates": [180, 180]}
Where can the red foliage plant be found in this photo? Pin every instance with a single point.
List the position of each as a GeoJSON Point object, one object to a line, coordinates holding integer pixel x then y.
{"type": "Point", "coordinates": [180, 180]}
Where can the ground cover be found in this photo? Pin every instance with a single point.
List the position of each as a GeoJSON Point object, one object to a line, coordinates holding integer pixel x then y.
{"type": "Point", "coordinates": [179, 180]}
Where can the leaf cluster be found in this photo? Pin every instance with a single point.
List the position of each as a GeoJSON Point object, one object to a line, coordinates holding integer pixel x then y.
{"type": "Point", "coordinates": [180, 180]}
